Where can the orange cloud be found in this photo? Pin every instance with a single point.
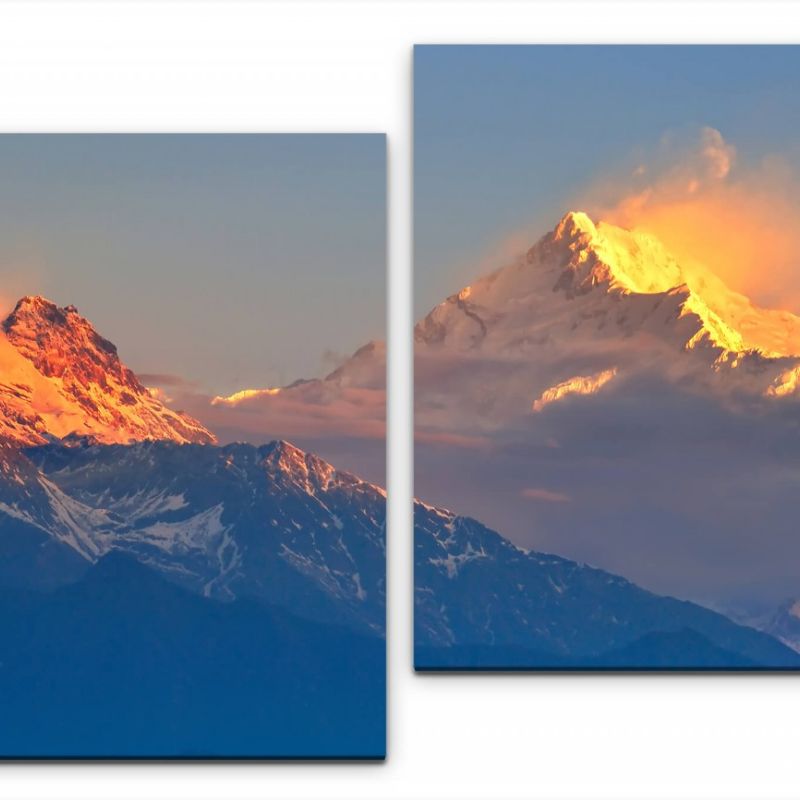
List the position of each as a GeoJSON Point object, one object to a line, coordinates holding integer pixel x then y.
{"type": "Point", "coordinates": [312, 409]}
{"type": "Point", "coordinates": [580, 384]}
{"type": "Point", "coordinates": [741, 222]}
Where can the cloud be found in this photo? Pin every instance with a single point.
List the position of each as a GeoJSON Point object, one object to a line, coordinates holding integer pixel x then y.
{"type": "Point", "coordinates": [344, 425]}
{"type": "Point", "coordinates": [578, 384]}
{"type": "Point", "coordinates": [716, 154]}
{"type": "Point", "coordinates": [318, 409]}
{"type": "Point", "coordinates": [548, 496]}
{"type": "Point", "coordinates": [711, 209]}
{"type": "Point", "coordinates": [680, 165]}
{"type": "Point", "coordinates": [243, 396]}
{"type": "Point", "coordinates": [650, 481]}
{"type": "Point", "coordinates": [164, 386]}
{"type": "Point", "coordinates": [342, 417]}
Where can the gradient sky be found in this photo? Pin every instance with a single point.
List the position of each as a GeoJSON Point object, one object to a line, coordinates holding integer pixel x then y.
{"type": "Point", "coordinates": [232, 260]}
{"type": "Point", "coordinates": [505, 136]}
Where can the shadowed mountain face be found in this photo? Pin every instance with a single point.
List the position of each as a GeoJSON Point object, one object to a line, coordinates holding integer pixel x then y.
{"type": "Point", "coordinates": [784, 624]}
{"type": "Point", "coordinates": [174, 600]}
{"type": "Point", "coordinates": [270, 522]}
{"type": "Point", "coordinates": [125, 664]}
{"type": "Point", "coordinates": [482, 603]}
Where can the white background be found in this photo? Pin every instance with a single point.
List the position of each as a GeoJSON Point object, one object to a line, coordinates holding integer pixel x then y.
{"type": "Point", "coordinates": [346, 66]}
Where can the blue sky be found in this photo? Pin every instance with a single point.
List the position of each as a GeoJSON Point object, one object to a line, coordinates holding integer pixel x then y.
{"type": "Point", "coordinates": [233, 261]}
{"type": "Point", "coordinates": [505, 136]}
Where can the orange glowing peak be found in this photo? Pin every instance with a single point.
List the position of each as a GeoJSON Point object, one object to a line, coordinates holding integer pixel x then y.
{"type": "Point", "coordinates": [637, 262]}
{"type": "Point", "coordinates": [590, 295]}
{"type": "Point", "coordinates": [60, 378]}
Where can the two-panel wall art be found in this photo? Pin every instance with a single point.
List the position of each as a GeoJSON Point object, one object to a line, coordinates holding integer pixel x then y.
{"type": "Point", "coordinates": [192, 402]}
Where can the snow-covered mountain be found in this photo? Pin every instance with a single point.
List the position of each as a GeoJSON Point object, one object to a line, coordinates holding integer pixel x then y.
{"type": "Point", "coordinates": [615, 282]}
{"type": "Point", "coordinates": [577, 312]}
{"type": "Point", "coordinates": [240, 583]}
{"type": "Point", "coordinates": [270, 522]}
{"type": "Point", "coordinates": [482, 602]}
{"type": "Point", "coordinates": [93, 463]}
{"type": "Point", "coordinates": [277, 525]}
{"type": "Point", "coordinates": [59, 377]}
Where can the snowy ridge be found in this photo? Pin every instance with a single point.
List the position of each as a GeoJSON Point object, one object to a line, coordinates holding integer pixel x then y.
{"type": "Point", "coordinates": [271, 521]}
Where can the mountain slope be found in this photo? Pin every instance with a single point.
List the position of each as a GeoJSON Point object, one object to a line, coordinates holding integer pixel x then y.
{"type": "Point", "coordinates": [784, 624]}
{"type": "Point", "coordinates": [61, 378]}
{"type": "Point", "coordinates": [271, 522]}
{"type": "Point", "coordinates": [482, 602]}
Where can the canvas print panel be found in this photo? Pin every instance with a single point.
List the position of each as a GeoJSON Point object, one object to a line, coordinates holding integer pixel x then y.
{"type": "Point", "coordinates": [607, 356]}
{"type": "Point", "coordinates": [191, 518]}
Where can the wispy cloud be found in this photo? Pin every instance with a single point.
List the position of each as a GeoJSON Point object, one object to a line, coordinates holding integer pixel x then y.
{"type": "Point", "coordinates": [546, 495]}
{"type": "Point", "coordinates": [711, 207]}
{"type": "Point", "coordinates": [314, 409]}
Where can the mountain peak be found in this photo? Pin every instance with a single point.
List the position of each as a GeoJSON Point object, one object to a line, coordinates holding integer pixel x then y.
{"type": "Point", "coordinates": [36, 309]}
{"type": "Point", "coordinates": [281, 450]}
{"type": "Point", "coordinates": [289, 466]}
{"type": "Point", "coordinates": [34, 301]}
{"type": "Point", "coordinates": [574, 224]}
{"type": "Point", "coordinates": [588, 255]}
{"type": "Point", "coordinates": [59, 341]}
{"type": "Point", "coordinates": [592, 254]}
{"type": "Point", "coordinates": [61, 378]}
{"type": "Point", "coordinates": [307, 469]}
